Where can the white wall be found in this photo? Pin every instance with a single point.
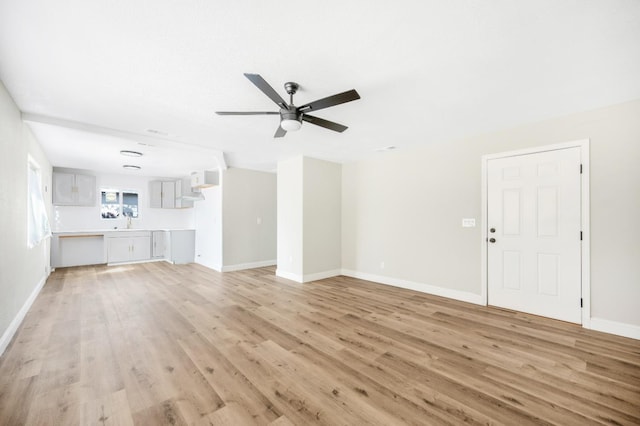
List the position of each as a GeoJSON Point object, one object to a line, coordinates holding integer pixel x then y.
{"type": "Point", "coordinates": [322, 229]}
{"type": "Point", "coordinates": [248, 218]}
{"type": "Point", "coordinates": [402, 214]}
{"type": "Point", "coordinates": [236, 223]}
{"type": "Point", "coordinates": [290, 213]}
{"type": "Point", "coordinates": [22, 270]}
{"type": "Point", "coordinates": [404, 208]}
{"type": "Point", "coordinates": [208, 225]}
{"type": "Point", "coordinates": [309, 219]}
{"type": "Point", "coordinates": [78, 218]}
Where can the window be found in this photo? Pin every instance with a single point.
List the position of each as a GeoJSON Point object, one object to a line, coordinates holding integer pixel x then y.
{"type": "Point", "coordinates": [115, 203]}
{"type": "Point", "coordinates": [38, 227]}
{"type": "Point", "coordinates": [110, 207]}
{"type": "Point", "coordinates": [130, 204]}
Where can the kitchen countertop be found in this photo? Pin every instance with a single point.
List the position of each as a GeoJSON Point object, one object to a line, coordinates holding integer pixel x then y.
{"type": "Point", "coordinates": [105, 231]}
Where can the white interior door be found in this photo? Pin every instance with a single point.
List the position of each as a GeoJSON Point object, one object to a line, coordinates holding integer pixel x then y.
{"type": "Point", "coordinates": [534, 233]}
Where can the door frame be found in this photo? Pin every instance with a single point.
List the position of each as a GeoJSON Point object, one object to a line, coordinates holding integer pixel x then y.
{"type": "Point", "coordinates": [583, 144]}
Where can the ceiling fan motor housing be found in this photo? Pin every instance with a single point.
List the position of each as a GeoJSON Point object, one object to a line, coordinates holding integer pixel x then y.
{"type": "Point", "coordinates": [292, 114]}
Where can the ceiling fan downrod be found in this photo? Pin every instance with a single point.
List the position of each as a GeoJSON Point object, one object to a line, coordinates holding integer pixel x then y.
{"type": "Point", "coordinates": [291, 88]}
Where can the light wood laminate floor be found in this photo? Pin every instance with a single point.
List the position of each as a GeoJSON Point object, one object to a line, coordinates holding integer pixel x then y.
{"type": "Point", "coordinates": [155, 344]}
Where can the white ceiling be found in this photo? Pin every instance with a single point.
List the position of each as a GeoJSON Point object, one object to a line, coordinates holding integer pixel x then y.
{"type": "Point", "coordinates": [94, 77]}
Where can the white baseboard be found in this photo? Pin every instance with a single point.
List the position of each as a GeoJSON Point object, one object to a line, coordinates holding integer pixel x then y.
{"type": "Point", "coordinates": [614, 327]}
{"type": "Point", "coordinates": [132, 262]}
{"type": "Point", "coordinates": [289, 276]}
{"type": "Point", "coordinates": [251, 265]}
{"type": "Point", "coordinates": [17, 320]}
{"type": "Point", "coordinates": [308, 277]}
{"type": "Point", "coordinates": [321, 275]}
{"type": "Point", "coordinates": [215, 267]}
{"type": "Point", "coordinates": [462, 296]}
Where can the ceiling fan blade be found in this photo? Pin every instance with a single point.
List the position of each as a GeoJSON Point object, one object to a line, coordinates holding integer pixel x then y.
{"type": "Point", "coordinates": [324, 123]}
{"type": "Point", "coordinates": [340, 98]}
{"type": "Point", "coordinates": [267, 89]}
{"type": "Point", "coordinates": [280, 132]}
{"type": "Point", "coordinates": [247, 113]}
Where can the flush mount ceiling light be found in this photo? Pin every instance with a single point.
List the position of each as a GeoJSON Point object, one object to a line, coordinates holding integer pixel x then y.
{"type": "Point", "coordinates": [131, 153]}
{"type": "Point", "coordinates": [131, 167]}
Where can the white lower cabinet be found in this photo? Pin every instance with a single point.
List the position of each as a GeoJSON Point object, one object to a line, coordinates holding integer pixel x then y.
{"type": "Point", "coordinates": [77, 249]}
{"type": "Point", "coordinates": [158, 244]}
{"type": "Point", "coordinates": [128, 247]}
{"type": "Point", "coordinates": [175, 246]}
{"type": "Point", "coordinates": [119, 246]}
{"type": "Point", "coordinates": [182, 246]}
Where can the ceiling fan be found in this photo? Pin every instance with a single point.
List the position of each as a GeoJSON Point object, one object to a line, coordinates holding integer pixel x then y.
{"type": "Point", "coordinates": [291, 116]}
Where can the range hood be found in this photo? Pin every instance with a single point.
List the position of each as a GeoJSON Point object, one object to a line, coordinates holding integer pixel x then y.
{"type": "Point", "coordinates": [184, 191]}
{"type": "Point", "coordinates": [191, 188]}
{"type": "Point", "coordinates": [194, 195]}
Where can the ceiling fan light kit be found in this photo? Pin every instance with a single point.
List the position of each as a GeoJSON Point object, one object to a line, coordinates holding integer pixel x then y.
{"type": "Point", "coordinates": [290, 125]}
{"type": "Point", "coordinates": [291, 116]}
{"type": "Point", "coordinates": [290, 121]}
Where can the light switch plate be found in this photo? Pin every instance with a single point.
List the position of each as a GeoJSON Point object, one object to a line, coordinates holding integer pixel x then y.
{"type": "Point", "coordinates": [468, 222]}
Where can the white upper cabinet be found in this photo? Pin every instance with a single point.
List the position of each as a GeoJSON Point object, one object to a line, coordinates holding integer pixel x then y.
{"type": "Point", "coordinates": [71, 189]}
{"type": "Point", "coordinates": [168, 194]}
{"type": "Point", "coordinates": [162, 194]}
{"type": "Point", "coordinates": [86, 190]}
{"type": "Point", "coordinates": [155, 194]}
{"type": "Point", "coordinates": [63, 188]}
{"type": "Point", "coordinates": [204, 179]}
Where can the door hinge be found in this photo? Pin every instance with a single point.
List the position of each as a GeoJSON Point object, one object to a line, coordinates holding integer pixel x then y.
{"type": "Point", "coordinates": [580, 168]}
{"type": "Point", "coordinates": [581, 302]}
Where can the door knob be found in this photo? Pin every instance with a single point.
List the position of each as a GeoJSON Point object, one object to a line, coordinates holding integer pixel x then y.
{"type": "Point", "coordinates": [492, 240]}
{"type": "Point", "coordinates": [492, 230]}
